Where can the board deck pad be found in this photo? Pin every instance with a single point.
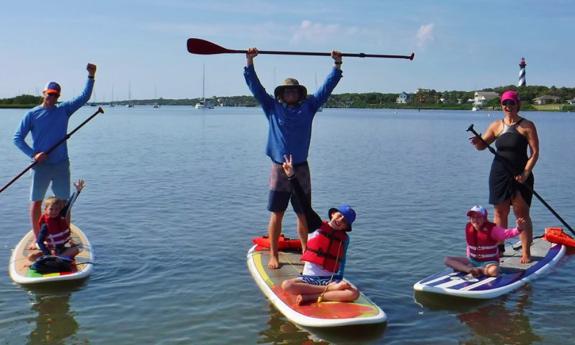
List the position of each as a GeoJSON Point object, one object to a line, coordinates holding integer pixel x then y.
{"type": "Point", "coordinates": [514, 274]}
{"type": "Point", "coordinates": [324, 314]}
{"type": "Point", "coordinates": [21, 272]}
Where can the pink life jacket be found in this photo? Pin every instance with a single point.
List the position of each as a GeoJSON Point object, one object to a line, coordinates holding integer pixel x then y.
{"type": "Point", "coordinates": [482, 247]}
{"type": "Point", "coordinates": [327, 248]}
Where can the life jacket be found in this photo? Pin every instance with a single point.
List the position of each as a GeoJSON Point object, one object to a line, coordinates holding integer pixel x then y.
{"type": "Point", "coordinates": [284, 243]}
{"type": "Point", "coordinates": [326, 248]}
{"type": "Point", "coordinates": [556, 235]}
{"type": "Point", "coordinates": [482, 247]}
{"type": "Point", "coordinates": [58, 230]}
{"type": "Point", "coordinates": [52, 264]}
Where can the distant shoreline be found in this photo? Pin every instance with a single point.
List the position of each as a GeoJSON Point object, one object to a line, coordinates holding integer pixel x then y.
{"type": "Point", "coordinates": [17, 106]}
{"type": "Point", "coordinates": [530, 107]}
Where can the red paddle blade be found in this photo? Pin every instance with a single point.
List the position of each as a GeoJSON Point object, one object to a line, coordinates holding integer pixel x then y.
{"type": "Point", "coordinates": [199, 46]}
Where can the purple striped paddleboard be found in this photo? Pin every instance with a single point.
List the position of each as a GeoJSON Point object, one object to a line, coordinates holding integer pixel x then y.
{"type": "Point", "coordinates": [514, 274]}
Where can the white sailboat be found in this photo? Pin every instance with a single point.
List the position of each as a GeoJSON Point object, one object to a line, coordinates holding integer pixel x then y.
{"type": "Point", "coordinates": [203, 104]}
{"type": "Point", "coordinates": [156, 104]}
{"type": "Point", "coordinates": [130, 104]}
{"type": "Point", "coordinates": [112, 101]}
{"type": "Point", "coordinates": [320, 108]}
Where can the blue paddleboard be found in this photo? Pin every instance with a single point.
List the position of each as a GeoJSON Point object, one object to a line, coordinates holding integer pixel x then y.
{"type": "Point", "coordinates": [514, 274]}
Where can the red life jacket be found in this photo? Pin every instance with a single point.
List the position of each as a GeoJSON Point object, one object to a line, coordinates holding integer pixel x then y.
{"type": "Point", "coordinates": [482, 247]}
{"type": "Point", "coordinates": [326, 248]}
{"type": "Point", "coordinates": [284, 243]}
{"type": "Point", "coordinates": [58, 230]}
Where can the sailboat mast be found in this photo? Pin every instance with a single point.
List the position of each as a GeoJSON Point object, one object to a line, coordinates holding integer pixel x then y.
{"type": "Point", "coordinates": [204, 82]}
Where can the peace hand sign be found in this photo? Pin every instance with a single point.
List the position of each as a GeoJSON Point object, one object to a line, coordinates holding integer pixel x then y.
{"type": "Point", "coordinates": [288, 166]}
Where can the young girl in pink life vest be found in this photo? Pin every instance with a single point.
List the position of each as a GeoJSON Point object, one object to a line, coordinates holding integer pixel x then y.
{"type": "Point", "coordinates": [482, 238]}
{"type": "Point", "coordinates": [54, 237]}
{"type": "Point", "coordinates": [324, 257]}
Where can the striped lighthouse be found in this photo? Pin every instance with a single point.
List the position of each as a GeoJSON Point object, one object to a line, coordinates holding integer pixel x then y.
{"type": "Point", "coordinates": [522, 65]}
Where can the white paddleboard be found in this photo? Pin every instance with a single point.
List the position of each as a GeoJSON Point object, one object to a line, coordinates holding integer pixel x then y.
{"type": "Point", "coordinates": [325, 314]}
{"type": "Point", "coordinates": [514, 274]}
{"type": "Point", "coordinates": [20, 270]}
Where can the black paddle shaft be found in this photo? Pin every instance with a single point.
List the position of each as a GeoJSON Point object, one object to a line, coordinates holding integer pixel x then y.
{"type": "Point", "coordinates": [100, 110]}
{"type": "Point", "coordinates": [510, 170]}
{"type": "Point", "coordinates": [203, 47]}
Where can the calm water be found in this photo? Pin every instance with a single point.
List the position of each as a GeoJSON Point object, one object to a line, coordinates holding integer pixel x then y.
{"type": "Point", "coordinates": [175, 194]}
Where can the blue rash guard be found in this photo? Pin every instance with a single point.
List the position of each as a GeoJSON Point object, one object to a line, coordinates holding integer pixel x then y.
{"type": "Point", "coordinates": [290, 126]}
{"type": "Point", "coordinates": [50, 125]}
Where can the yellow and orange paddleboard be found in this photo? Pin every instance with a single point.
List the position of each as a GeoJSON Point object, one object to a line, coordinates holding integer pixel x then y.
{"type": "Point", "coordinates": [22, 273]}
{"type": "Point", "coordinates": [325, 314]}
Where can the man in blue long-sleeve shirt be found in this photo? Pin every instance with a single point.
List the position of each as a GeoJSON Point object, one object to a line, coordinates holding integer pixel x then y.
{"type": "Point", "coordinates": [48, 124]}
{"type": "Point", "coordinates": [290, 115]}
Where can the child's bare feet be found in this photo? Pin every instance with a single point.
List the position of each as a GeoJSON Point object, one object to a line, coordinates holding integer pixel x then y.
{"type": "Point", "coordinates": [305, 299]}
{"type": "Point", "coordinates": [34, 255]}
{"type": "Point", "coordinates": [476, 272]}
{"type": "Point", "coordinates": [342, 285]}
{"type": "Point", "coordinates": [299, 300]}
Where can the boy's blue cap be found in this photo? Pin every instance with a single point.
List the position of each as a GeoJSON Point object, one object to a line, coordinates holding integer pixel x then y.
{"type": "Point", "coordinates": [347, 212]}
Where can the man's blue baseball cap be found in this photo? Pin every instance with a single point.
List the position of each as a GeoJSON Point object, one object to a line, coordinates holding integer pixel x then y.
{"type": "Point", "coordinates": [347, 212]}
{"type": "Point", "coordinates": [52, 88]}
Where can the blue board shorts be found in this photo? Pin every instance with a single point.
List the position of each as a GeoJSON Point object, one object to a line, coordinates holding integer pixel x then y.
{"type": "Point", "coordinates": [43, 174]}
{"type": "Point", "coordinates": [320, 280]}
{"type": "Point", "coordinates": [280, 192]}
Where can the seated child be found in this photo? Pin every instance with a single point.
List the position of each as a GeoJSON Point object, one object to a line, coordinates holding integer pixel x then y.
{"type": "Point", "coordinates": [482, 238]}
{"type": "Point", "coordinates": [324, 257]}
{"type": "Point", "coordinates": [54, 235]}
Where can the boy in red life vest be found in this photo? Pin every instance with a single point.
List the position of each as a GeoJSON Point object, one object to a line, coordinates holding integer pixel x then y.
{"type": "Point", "coordinates": [324, 257]}
{"type": "Point", "coordinates": [55, 227]}
{"type": "Point", "coordinates": [482, 238]}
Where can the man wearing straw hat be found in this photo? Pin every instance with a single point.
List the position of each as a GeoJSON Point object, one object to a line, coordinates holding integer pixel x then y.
{"type": "Point", "coordinates": [290, 113]}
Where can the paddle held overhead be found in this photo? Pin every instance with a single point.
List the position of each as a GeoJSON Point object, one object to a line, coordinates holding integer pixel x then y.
{"type": "Point", "coordinates": [203, 47]}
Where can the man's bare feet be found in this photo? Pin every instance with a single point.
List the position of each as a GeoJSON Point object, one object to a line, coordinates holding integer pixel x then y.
{"type": "Point", "coordinates": [273, 263]}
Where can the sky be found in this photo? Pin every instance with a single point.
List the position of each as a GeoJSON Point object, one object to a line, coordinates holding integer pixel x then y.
{"type": "Point", "coordinates": [140, 46]}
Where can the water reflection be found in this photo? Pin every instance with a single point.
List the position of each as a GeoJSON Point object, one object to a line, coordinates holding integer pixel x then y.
{"type": "Point", "coordinates": [55, 322]}
{"type": "Point", "coordinates": [500, 321]}
{"type": "Point", "coordinates": [282, 331]}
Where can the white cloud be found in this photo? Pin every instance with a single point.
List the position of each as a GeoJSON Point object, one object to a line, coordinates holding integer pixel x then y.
{"type": "Point", "coordinates": [308, 31]}
{"type": "Point", "coordinates": [424, 35]}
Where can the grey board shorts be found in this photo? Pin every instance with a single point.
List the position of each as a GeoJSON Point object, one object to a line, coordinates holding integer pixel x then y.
{"type": "Point", "coordinates": [280, 192]}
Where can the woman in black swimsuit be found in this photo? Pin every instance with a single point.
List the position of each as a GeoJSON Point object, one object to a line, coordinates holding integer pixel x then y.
{"type": "Point", "coordinates": [511, 178]}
